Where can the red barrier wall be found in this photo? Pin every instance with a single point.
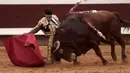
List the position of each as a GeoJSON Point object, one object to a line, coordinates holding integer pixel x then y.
{"type": "Point", "coordinates": [18, 16]}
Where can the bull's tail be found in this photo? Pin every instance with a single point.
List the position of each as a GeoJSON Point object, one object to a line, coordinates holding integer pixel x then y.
{"type": "Point", "coordinates": [124, 23]}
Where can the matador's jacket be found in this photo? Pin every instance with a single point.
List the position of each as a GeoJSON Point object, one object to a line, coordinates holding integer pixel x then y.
{"type": "Point", "coordinates": [46, 26]}
{"type": "Point", "coordinates": [49, 29]}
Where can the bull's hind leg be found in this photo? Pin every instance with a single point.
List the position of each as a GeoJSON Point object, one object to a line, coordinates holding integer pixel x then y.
{"type": "Point", "coordinates": [112, 43]}
{"type": "Point", "coordinates": [113, 54]}
{"type": "Point", "coordinates": [122, 43]}
{"type": "Point", "coordinates": [98, 52]}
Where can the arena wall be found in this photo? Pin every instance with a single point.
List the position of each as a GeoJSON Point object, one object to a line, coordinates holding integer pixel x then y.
{"type": "Point", "coordinates": [19, 16]}
{"type": "Point", "coordinates": [26, 13]}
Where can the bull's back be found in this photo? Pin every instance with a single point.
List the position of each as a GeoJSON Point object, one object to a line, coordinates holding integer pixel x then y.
{"type": "Point", "coordinates": [102, 20]}
{"type": "Point", "coordinates": [100, 16]}
{"type": "Point", "coordinates": [76, 25]}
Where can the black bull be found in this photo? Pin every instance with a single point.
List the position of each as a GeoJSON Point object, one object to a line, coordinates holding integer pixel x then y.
{"type": "Point", "coordinates": [74, 37]}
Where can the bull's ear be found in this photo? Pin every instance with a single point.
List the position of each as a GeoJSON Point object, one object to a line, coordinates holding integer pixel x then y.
{"type": "Point", "coordinates": [61, 51]}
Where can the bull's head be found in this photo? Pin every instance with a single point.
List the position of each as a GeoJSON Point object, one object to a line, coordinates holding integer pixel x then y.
{"type": "Point", "coordinates": [61, 50]}
{"type": "Point", "coordinates": [63, 43]}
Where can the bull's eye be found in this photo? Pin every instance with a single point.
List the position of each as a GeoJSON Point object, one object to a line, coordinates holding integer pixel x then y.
{"type": "Point", "coordinates": [61, 51]}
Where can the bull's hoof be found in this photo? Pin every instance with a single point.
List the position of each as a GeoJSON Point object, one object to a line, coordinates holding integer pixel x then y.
{"type": "Point", "coordinates": [114, 57]}
{"type": "Point", "coordinates": [105, 62]}
{"type": "Point", "coordinates": [125, 62]}
{"type": "Point", "coordinates": [76, 63]}
{"type": "Point", "coordinates": [57, 62]}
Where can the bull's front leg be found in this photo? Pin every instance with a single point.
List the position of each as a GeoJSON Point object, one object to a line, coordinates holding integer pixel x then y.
{"type": "Point", "coordinates": [75, 61]}
{"type": "Point", "coordinates": [98, 52]}
{"type": "Point", "coordinates": [57, 60]}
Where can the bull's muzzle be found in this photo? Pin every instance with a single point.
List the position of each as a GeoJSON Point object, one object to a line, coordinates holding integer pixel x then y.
{"type": "Point", "coordinates": [73, 56]}
{"type": "Point", "coordinates": [61, 51]}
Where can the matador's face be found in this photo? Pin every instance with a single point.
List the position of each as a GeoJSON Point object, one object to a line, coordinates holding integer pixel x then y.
{"type": "Point", "coordinates": [48, 17]}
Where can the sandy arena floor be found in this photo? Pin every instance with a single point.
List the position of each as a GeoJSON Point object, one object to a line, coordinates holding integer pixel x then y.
{"type": "Point", "coordinates": [90, 63]}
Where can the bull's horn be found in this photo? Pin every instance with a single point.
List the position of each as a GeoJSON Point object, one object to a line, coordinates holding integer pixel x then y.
{"type": "Point", "coordinates": [57, 43]}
